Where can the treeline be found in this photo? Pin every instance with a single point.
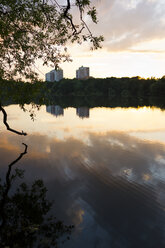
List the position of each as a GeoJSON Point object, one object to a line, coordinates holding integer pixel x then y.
{"type": "Point", "coordinates": [109, 88]}
{"type": "Point", "coordinates": [124, 87]}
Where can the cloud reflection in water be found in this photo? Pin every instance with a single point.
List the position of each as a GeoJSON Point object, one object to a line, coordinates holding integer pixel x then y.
{"type": "Point", "coordinates": [112, 188]}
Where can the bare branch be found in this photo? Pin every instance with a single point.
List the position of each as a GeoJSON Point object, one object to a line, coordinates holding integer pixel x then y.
{"type": "Point", "coordinates": [7, 125]}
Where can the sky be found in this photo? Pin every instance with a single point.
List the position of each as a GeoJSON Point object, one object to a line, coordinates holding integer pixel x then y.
{"type": "Point", "coordinates": [134, 33]}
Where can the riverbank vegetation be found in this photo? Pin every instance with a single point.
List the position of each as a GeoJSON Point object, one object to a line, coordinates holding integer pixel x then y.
{"type": "Point", "coordinates": [124, 87]}
{"type": "Point", "coordinates": [109, 92]}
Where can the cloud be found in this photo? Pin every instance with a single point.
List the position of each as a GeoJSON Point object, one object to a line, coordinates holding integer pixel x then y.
{"type": "Point", "coordinates": [126, 23]}
{"type": "Point", "coordinates": [145, 51]}
{"type": "Point", "coordinates": [111, 188]}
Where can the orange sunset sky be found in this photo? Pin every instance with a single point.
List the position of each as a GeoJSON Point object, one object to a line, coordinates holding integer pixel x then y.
{"type": "Point", "coordinates": [134, 32]}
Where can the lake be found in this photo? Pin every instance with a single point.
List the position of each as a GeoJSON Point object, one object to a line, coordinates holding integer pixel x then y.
{"type": "Point", "coordinates": [104, 170]}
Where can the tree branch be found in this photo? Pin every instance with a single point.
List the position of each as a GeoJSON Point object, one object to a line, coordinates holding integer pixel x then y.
{"type": "Point", "coordinates": [7, 125]}
{"type": "Point", "coordinates": [67, 8]}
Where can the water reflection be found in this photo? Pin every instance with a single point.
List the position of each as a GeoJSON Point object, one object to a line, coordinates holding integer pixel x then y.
{"type": "Point", "coordinates": [24, 213]}
{"type": "Point", "coordinates": [7, 125]}
{"type": "Point", "coordinates": [5, 189]}
{"type": "Point", "coordinates": [55, 110]}
{"type": "Point", "coordinates": [111, 188]}
{"type": "Point", "coordinates": [83, 112]}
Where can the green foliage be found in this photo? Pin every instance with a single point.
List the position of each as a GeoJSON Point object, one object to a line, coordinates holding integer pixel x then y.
{"type": "Point", "coordinates": [47, 92]}
{"type": "Point", "coordinates": [38, 29]}
{"type": "Point", "coordinates": [93, 15]}
{"type": "Point", "coordinates": [125, 93]}
{"type": "Point", "coordinates": [111, 92]}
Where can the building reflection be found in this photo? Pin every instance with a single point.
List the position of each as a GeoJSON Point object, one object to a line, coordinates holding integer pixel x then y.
{"type": "Point", "coordinates": [83, 112]}
{"type": "Point", "coordinates": [55, 110]}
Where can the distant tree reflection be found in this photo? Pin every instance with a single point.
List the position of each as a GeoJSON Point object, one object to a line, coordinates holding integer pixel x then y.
{"type": "Point", "coordinates": [24, 214]}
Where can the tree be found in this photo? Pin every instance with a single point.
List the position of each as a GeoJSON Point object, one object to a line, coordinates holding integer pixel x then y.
{"type": "Point", "coordinates": [40, 29]}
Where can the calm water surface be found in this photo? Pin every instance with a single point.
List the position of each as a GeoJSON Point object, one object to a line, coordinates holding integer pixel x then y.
{"type": "Point", "coordinates": [104, 169]}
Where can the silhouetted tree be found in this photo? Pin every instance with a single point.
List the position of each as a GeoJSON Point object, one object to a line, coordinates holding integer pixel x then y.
{"type": "Point", "coordinates": [40, 29]}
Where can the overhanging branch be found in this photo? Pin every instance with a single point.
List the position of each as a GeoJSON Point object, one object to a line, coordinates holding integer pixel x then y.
{"type": "Point", "coordinates": [7, 125]}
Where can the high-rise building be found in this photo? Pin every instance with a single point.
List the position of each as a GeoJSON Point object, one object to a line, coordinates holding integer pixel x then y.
{"type": "Point", "coordinates": [82, 73]}
{"type": "Point", "coordinates": [55, 110]}
{"type": "Point", "coordinates": [54, 75]}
